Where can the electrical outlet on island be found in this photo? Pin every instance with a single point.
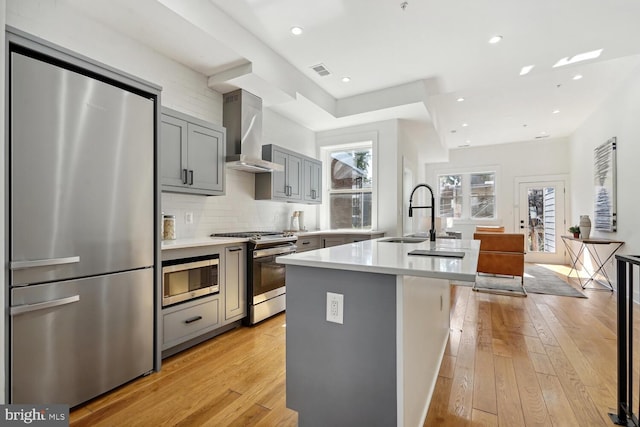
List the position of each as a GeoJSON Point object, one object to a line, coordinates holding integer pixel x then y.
{"type": "Point", "coordinates": [335, 308]}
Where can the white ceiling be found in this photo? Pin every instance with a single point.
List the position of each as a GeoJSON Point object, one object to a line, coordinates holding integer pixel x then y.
{"type": "Point", "coordinates": [409, 64]}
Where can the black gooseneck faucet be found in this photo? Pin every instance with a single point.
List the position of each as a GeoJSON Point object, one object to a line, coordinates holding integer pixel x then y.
{"type": "Point", "coordinates": [432, 232]}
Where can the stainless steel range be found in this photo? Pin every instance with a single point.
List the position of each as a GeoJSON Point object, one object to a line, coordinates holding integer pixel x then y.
{"type": "Point", "coordinates": [265, 277]}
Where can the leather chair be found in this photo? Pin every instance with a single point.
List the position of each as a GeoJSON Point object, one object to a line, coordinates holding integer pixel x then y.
{"type": "Point", "coordinates": [501, 253]}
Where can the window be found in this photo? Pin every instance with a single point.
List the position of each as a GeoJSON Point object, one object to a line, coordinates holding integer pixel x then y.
{"type": "Point", "coordinates": [350, 187]}
{"type": "Point", "coordinates": [467, 195]}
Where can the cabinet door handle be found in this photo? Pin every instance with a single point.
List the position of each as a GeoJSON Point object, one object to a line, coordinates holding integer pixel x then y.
{"type": "Point", "coordinates": [235, 249]}
{"type": "Point", "coordinates": [184, 176]}
{"type": "Point", "coordinates": [313, 194]}
{"type": "Point", "coordinates": [191, 177]}
{"type": "Point", "coordinates": [193, 319]}
{"type": "Point", "coordinates": [306, 243]}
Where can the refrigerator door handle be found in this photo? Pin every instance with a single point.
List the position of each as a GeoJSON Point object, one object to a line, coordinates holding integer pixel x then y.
{"type": "Point", "coordinates": [20, 309]}
{"type": "Point", "coordinates": [19, 265]}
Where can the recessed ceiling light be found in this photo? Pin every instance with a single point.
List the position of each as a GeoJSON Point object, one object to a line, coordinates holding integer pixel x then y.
{"type": "Point", "coordinates": [577, 58]}
{"type": "Point", "coordinates": [495, 39]}
{"type": "Point", "coordinates": [556, 111]}
{"type": "Point", "coordinates": [296, 31]}
{"type": "Point", "coordinates": [468, 141]}
{"type": "Point", "coordinates": [526, 69]}
{"type": "Point", "coordinates": [543, 133]}
{"type": "Point", "coordinates": [464, 125]}
{"type": "Point", "coordinates": [577, 77]}
{"type": "Point", "coordinates": [346, 79]}
{"type": "Point", "coordinates": [460, 99]}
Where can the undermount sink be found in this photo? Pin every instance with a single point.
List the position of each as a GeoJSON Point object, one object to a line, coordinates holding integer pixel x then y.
{"type": "Point", "coordinates": [404, 240]}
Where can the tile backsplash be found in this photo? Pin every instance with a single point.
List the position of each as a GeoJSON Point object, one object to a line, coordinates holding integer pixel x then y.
{"type": "Point", "coordinates": [237, 210]}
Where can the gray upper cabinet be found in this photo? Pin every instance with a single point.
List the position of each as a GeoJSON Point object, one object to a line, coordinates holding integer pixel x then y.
{"type": "Point", "coordinates": [285, 185]}
{"type": "Point", "coordinates": [300, 181]}
{"type": "Point", "coordinates": [192, 154]}
{"type": "Point", "coordinates": [312, 181]}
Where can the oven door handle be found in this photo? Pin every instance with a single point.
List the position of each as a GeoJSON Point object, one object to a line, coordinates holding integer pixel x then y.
{"type": "Point", "coordinates": [280, 250]}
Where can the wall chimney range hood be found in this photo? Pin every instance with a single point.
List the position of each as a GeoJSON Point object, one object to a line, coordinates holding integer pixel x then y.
{"type": "Point", "coordinates": [242, 116]}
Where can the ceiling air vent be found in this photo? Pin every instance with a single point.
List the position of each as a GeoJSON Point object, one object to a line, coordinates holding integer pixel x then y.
{"type": "Point", "coordinates": [321, 70]}
{"type": "Point", "coordinates": [542, 136]}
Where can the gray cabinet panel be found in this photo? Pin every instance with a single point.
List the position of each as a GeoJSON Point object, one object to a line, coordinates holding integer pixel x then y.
{"type": "Point", "coordinates": [173, 146]}
{"type": "Point", "coordinates": [235, 287]}
{"type": "Point", "coordinates": [192, 155]}
{"type": "Point", "coordinates": [189, 321]}
{"type": "Point", "coordinates": [206, 148]}
{"type": "Point", "coordinates": [312, 181]}
{"type": "Point", "coordinates": [294, 177]}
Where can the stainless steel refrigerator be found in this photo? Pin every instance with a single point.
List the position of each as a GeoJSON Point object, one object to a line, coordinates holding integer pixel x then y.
{"type": "Point", "coordinates": [81, 223]}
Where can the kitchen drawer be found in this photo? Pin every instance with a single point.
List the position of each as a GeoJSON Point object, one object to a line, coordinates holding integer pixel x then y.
{"type": "Point", "coordinates": [308, 244]}
{"type": "Point", "coordinates": [189, 322]}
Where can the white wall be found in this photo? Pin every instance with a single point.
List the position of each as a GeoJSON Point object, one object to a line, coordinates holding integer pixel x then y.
{"type": "Point", "coordinates": [510, 161]}
{"type": "Point", "coordinates": [617, 116]}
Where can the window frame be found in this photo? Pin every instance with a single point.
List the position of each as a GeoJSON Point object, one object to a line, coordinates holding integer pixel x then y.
{"type": "Point", "coordinates": [369, 142]}
{"type": "Point", "coordinates": [466, 193]}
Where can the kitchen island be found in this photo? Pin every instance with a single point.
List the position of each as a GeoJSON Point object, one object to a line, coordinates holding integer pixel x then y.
{"type": "Point", "coordinates": [378, 367]}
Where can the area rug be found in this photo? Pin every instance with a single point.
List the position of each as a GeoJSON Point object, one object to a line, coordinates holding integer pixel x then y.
{"type": "Point", "coordinates": [537, 280]}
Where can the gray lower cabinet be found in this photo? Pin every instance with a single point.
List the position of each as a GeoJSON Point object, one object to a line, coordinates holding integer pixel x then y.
{"type": "Point", "coordinates": [342, 239]}
{"type": "Point", "coordinates": [308, 243]}
{"type": "Point", "coordinates": [328, 242]}
{"type": "Point", "coordinates": [312, 181]}
{"type": "Point", "coordinates": [192, 155]}
{"type": "Point", "coordinates": [189, 320]}
{"type": "Point", "coordinates": [235, 286]}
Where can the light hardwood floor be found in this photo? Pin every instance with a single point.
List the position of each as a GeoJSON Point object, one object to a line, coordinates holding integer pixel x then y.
{"type": "Point", "coordinates": [536, 361]}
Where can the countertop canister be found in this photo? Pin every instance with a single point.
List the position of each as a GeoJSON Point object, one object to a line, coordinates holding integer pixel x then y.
{"type": "Point", "coordinates": [168, 227]}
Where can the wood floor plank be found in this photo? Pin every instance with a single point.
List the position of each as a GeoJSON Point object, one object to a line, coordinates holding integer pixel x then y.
{"type": "Point", "coordinates": [484, 383]}
{"type": "Point", "coordinates": [460, 402]}
{"type": "Point", "coordinates": [574, 389]}
{"type": "Point", "coordinates": [483, 419]}
{"type": "Point", "coordinates": [560, 411]}
{"type": "Point", "coordinates": [533, 406]}
{"type": "Point", "coordinates": [507, 394]}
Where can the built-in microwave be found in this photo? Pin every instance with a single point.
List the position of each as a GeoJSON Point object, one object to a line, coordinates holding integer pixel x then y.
{"type": "Point", "coordinates": [189, 278]}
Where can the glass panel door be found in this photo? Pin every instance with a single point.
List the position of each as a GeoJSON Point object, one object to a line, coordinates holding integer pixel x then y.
{"type": "Point", "coordinates": [542, 220]}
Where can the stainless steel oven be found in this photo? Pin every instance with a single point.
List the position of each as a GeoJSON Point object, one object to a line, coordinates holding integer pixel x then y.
{"type": "Point", "coordinates": [189, 278]}
{"type": "Point", "coordinates": [267, 281]}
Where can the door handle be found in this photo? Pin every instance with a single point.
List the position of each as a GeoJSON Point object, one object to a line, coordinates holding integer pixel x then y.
{"type": "Point", "coordinates": [20, 309]}
{"type": "Point", "coordinates": [19, 265]}
{"type": "Point", "coordinates": [193, 319]}
{"type": "Point", "coordinates": [235, 249]}
{"type": "Point", "coordinates": [191, 177]}
{"type": "Point", "coordinates": [184, 176]}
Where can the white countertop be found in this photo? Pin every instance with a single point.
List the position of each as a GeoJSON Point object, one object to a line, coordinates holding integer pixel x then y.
{"type": "Point", "coordinates": [377, 256]}
{"type": "Point", "coordinates": [343, 231]}
{"type": "Point", "coordinates": [200, 241]}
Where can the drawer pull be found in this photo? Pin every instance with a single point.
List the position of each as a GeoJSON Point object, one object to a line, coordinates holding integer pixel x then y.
{"type": "Point", "coordinates": [235, 249]}
{"type": "Point", "coordinates": [193, 319]}
{"type": "Point", "coordinates": [306, 243]}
